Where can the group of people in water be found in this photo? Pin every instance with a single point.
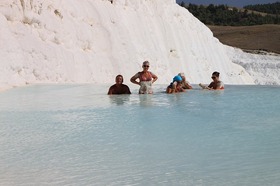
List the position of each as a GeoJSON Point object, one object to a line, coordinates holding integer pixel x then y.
{"type": "Point", "coordinates": [147, 78]}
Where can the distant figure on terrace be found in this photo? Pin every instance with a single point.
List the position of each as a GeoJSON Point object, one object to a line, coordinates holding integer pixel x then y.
{"type": "Point", "coordinates": [216, 84]}
{"type": "Point", "coordinates": [185, 83]}
{"type": "Point", "coordinates": [175, 86]}
{"type": "Point", "coordinates": [146, 79]}
{"type": "Point", "coordinates": [119, 87]}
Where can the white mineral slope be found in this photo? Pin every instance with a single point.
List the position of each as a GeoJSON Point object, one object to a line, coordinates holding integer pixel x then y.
{"type": "Point", "coordinates": [264, 69]}
{"type": "Point", "coordinates": [91, 41]}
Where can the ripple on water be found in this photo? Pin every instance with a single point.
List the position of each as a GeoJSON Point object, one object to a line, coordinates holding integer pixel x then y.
{"type": "Point", "coordinates": [77, 135]}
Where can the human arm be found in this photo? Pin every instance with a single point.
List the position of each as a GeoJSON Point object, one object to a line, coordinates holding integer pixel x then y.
{"type": "Point", "coordinates": [110, 91]}
{"type": "Point", "coordinates": [205, 86]}
{"type": "Point", "coordinates": [180, 89]}
{"type": "Point", "coordinates": [186, 85]}
{"type": "Point", "coordinates": [154, 77]}
{"type": "Point", "coordinates": [133, 79]}
{"type": "Point", "coordinates": [170, 90]}
{"type": "Point", "coordinates": [127, 90]}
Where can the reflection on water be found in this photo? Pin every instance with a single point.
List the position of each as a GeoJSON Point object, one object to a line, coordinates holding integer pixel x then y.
{"type": "Point", "coordinates": [78, 135]}
{"type": "Point", "coordinates": [145, 100]}
{"type": "Point", "coordinates": [119, 99]}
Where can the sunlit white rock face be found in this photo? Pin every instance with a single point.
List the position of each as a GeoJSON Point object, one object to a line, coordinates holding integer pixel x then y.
{"type": "Point", "coordinates": [264, 69]}
{"type": "Point", "coordinates": [91, 41]}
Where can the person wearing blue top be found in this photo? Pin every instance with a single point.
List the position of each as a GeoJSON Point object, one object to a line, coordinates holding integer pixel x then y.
{"type": "Point", "coordinates": [175, 86]}
{"type": "Point", "coordinates": [185, 83]}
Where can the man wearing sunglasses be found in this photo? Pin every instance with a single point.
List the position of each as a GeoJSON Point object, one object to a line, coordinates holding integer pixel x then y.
{"type": "Point", "coordinates": [216, 84]}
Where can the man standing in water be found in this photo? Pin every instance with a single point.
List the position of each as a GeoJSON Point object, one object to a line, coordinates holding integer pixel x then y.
{"type": "Point", "coordinates": [119, 87]}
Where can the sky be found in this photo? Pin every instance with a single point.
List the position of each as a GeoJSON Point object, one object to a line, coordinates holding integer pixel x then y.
{"type": "Point", "coordinates": [236, 3]}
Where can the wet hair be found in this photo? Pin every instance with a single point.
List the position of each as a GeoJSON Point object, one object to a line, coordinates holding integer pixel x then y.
{"type": "Point", "coordinates": [217, 74]}
{"type": "Point", "coordinates": [119, 76]}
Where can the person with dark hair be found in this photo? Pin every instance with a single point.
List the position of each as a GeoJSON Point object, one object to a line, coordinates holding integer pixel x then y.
{"type": "Point", "coordinates": [146, 79]}
{"type": "Point", "coordinates": [216, 84]}
{"type": "Point", "coordinates": [175, 86]}
{"type": "Point", "coordinates": [119, 87]}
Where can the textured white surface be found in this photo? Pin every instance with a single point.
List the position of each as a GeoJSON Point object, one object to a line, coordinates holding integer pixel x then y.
{"type": "Point", "coordinates": [91, 41]}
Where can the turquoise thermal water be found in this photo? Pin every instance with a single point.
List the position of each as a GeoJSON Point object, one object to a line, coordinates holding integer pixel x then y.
{"type": "Point", "coordinates": [78, 135]}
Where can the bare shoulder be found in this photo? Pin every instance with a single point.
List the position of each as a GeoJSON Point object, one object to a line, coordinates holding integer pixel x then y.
{"type": "Point", "coordinates": [220, 85]}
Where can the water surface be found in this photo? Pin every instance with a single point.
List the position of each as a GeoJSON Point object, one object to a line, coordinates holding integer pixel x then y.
{"type": "Point", "coordinates": [78, 135]}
